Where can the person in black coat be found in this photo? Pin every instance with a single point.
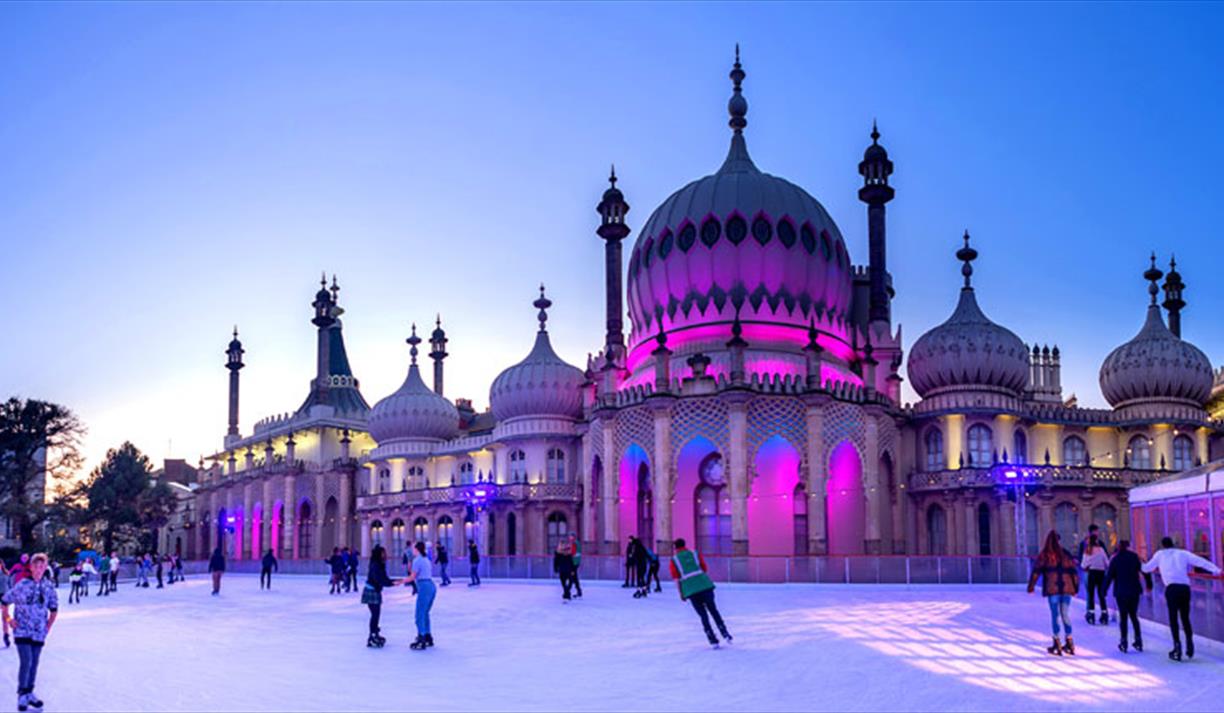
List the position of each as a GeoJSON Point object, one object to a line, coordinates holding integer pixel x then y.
{"type": "Point", "coordinates": [630, 560]}
{"type": "Point", "coordinates": [354, 563]}
{"type": "Point", "coordinates": [443, 559]}
{"type": "Point", "coordinates": [1128, 581]}
{"type": "Point", "coordinates": [266, 567]}
{"type": "Point", "coordinates": [563, 566]}
{"type": "Point", "coordinates": [216, 567]}
{"type": "Point", "coordinates": [376, 579]}
{"type": "Point", "coordinates": [337, 565]}
{"type": "Point", "coordinates": [473, 564]}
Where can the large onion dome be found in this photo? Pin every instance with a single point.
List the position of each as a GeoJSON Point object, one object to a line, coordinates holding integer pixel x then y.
{"type": "Point", "coordinates": [968, 352]}
{"type": "Point", "coordinates": [414, 411]}
{"type": "Point", "coordinates": [1156, 366]}
{"type": "Point", "coordinates": [738, 239]}
{"type": "Point", "coordinates": [542, 384]}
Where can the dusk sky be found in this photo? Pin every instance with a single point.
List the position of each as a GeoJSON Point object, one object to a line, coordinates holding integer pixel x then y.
{"type": "Point", "coordinates": [170, 170]}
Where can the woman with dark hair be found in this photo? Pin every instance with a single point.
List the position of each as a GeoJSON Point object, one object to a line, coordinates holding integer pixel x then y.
{"type": "Point", "coordinates": [1060, 581]}
{"type": "Point", "coordinates": [422, 576]}
{"type": "Point", "coordinates": [371, 596]}
{"type": "Point", "coordinates": [1095, 561]}
{"type": "Point", "coordinates": [1128, 582]}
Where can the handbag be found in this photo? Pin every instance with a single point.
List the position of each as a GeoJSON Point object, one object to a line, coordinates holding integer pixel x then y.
{"type": "Point", "coordinates": [370, 595]}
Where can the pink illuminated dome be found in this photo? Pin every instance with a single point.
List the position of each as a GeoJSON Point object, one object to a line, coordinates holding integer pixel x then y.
{"type": "Point", "coordinates": [738, 241]}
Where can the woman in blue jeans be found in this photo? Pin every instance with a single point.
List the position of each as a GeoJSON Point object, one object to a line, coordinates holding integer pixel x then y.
{"type": "Point", "coordinates": [421, 575]}
{"type": "Point", "coordinates": [1060, 581]}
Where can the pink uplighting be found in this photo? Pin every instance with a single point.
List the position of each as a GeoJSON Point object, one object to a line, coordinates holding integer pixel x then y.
{"type": "Point", "coordinates": [771, 502]}
{"type": "Point", "coordinates": [846, 503]}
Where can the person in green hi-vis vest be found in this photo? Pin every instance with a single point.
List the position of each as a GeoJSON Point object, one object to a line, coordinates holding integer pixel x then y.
{"type": "Point", "coordinates": [688, 569]}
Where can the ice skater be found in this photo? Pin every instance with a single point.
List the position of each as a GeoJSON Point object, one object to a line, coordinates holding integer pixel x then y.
{"type": "Point", "coordinates": [443, 559]}
{"type": "Point", "coordinates": [354, 565]}
{"type": "Point", "coordinates": [114, 572]}
{"type": "Point", "coordinates": [630, 561]}
{"type": "Point", "coordinates": [422, 576]}
{"type": "Point", "coordinates": [1174, 565]}
{"type": "Point", "coordinates": [688, 569]}
{"type": "Point", "coordinates": [371, 596]}
{"type": "Point", "coordinates": [336, 566]}
{"type": "Point", "coordinates": [104, 577]}
{"type": "Point", "coordinates": [1060, 581]}
{"type": "Point", "coordinates": [178, 568]}
{"type": "Point", "coordinates": [5, 585]}
{"type": "Point", "coordinates": [216, 568]}
{"type": "Point", "coordinates": [563, 567]}
{"type": "Point", "coordinates": [473, 564]}
{"type": "Point", "coordinates": [158, 568]}
{"type": "Point", "coordinates": [88, 568]}
{"type": "Point", "coordinates": [35, 606]}
{"type": "Point", "coordinates": [576, 549]}
{"type": "Point", "coordinates": [1127, 579]}
{"type": "Point", "coordinates": [1095, 561]}
{"type": "Point", "coordinates": [267, 566]}
{"type": "Point", "coordinates": [75, 578]}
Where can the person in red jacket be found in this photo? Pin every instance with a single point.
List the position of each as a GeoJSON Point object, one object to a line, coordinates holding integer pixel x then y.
{"type": "Point", "coordinates": [688, 569]}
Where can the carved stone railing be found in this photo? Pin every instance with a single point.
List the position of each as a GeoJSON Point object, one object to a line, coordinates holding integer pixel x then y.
{"type": "Point", "coordinates": [488, 492]}
{"type": "Point", "coordinates": [1036, 475]}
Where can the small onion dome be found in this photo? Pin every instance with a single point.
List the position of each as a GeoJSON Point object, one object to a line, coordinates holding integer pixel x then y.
{"type": "Point", "coordinates": [875, 152]}
{"type": "Point", "coordinates": [414, 411]}
{"type": "Point", "coordinates": [542, 384]}
{"type": "Point", "coordinates": [1156, 366]}
{"type": "Point", "coordinates": [968, 350]}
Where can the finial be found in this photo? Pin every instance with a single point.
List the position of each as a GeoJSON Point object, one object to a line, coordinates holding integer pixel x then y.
{"type": "Point", "coordinates": [875, 133]}
{"type": "Point", "coordinates": [967, 255]}
{"type": "Point", "coordinates": [612, 176]}
{"type": "Point", "coordinates": [1152, 274]}
{"type": "Point", "coordinates": [413, 341]}
{"type": "Point", "coordinates": [1172, 262]}
{"type": "Point", "coordinates": [438, 321]}
{"type": "Point", "coordinates": [335, 288]}
{"type": "Point", "coordinates": [738, 105]}
{"type": "Point", "coordinates": [542, 304]}
{"type": "Point", "coordinates": [235, 331]}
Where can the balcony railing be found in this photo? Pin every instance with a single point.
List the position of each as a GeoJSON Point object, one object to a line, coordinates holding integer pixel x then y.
{"type": "Point", "coordinates": [1037, 475]}
{"type": "Point", "coordinates": [486, 492]}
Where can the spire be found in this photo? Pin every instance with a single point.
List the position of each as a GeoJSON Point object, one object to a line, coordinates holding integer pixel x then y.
{"type": "Point", "coordinates": [875, 133]}
{"type": "Point", "coordinates": [967, 255]}
{"type": "Point", "coordinates": [1153, 275]}
{"type": "Point", "coordinates": [542, 304]}
{"type": "Point", "coordinates": [875, 168]}
{"type": "Point", "coordinates": [737, 160]}
{"type": "Point", "coordinates": [233, 362]}
{"type": "Point", "coordinates": [1173, 302]}
{"type": "Point", "coordinates": [413, 341]}
{"type": "Point", "coordinates": [612, 209]}
{"type": "Point", "coordinates": [437, 352]}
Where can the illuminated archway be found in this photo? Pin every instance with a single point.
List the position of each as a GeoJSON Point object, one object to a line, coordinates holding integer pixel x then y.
{"type": "Point", "coordinates": [771, 508]}
{"type": "Point", "coordinates": [846, 504]}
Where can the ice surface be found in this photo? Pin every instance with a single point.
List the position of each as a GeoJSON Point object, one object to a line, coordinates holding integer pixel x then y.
{"type": "Point", "coordinates": [515, 646]}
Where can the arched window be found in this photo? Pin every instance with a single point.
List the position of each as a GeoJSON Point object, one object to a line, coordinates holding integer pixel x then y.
{"type": "Point", "coordinates": [557, 530]}
{"type": "Point", "coordinates": [384, 480]}
{"type": "Point", "coordinates": [446, 533]}
{"type": "Point", "coordinates": [511, 534]}
{"type": "Point", "coordinates": [416, 478]}
{"type": "Point", "coordinates": [1066, 524]}
{"type": "Point", "coordinates": [376, 533]}
{"type": "Point", "coordinates": [397, 539]}
{"type": "Point", "coordinates": [1075, 453]}
{"type": "Point", "coordinates": [1183, 452]}
{"type": "Point", "coordinates": [518, 466]}
{"type": "Point", "coordinates": [304, 529]}
{"type": "Point", "coordinates": [1105, 516]}
{"type": "Point", "coordinates": [937, 531]}
{"type": "Point", "coordinates": [980, 447]}
{"type": "Point", "coordinates": [645, 506]}
{"type": "Point", "coordinates": [800, 510]}
{"type": "Point", "coordinates": [934, 450]}
{"type": "Point", "coordinates": [467, 473]}
{"type": "Point", "coordinates": [1019, 447]}
{"type": "Point", "coordinates": [556, 466]}
{"type": "Point", "coordinates": [983, 523]}
{"type": "Point", "coordinates": [713, 503]}
{"type": "Point", "coordinates": [420, 530]}
{"type": "Point", "coordinates": [1139, 451]}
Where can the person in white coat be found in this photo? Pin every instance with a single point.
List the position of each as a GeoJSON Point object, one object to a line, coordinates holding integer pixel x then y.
{"type": "Point", "coordinates": [1174, 565]}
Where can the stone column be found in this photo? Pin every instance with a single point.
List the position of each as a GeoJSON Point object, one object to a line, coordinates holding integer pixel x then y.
{"type": "Point", "coordinates": [817, 475]}
{"type": "Point", "coordinates": [738, 472]}
{"type": "Point", "coordinates": [871, 482]}
{"type": "Point", "coordinates": [589, 499]}
{"type": "Point", "coordinates": [319, 514]}
{"type": "Point", "coordinates": [1045, 520]}
{"type": "Point", "coordinates": [265, 519]}
{"type": "Point", "coordinates": [611, 490]}
{"type": "Point", "coordinates": [247, 504]}
{"type": "Point", "coordinates": [663, 480]}
{"type": "Point", "coordinates": [345, 511]}
{"type": "Point", "coordinates": [365, 534]}
{"type": "Point", "coordinates": [287, 547]}
{"type": "Point", "coordinates": [955, 531]}
{"type": "Point", "coordinates": [1005, 511]}
{"type": "Point", "coordinates": [972, 542]}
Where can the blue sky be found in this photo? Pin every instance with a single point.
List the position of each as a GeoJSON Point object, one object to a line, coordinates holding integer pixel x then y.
{"type": "Point", "coordinates": [172, 169]}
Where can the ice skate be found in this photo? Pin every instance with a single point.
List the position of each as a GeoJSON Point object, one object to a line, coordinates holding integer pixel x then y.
{"type": "Point", "coordinates": [7, 642]}
{"type": "Point", "coordinates": [429, 641]}
{"type": "Point", "coordinates": [1189, 648]}
{"type": "Point", "coordinates": [714, 642]}
{"type": "Point", "coordinates": [23, 702]}
{"type": "Point", "coordinates": [1069, 647]}
{"type": "Point", "coordinates": [1056, 649]}
{"type": "Point", "coordinates": [34, 701]}
{"type": "Point", "coordinates": [1122, 646]}
{"type": "Point", "coordinates": [418, 645]}
{"type": "Point", "coordinates": [1104, 618]}
{"type": "Point", "coordinates": [1090, 617]}
{"type": "Point", "coordinates": [1138, 645]}
{"type": "Point", "coordinates": [727, 636]}
{"type": "Point", "coordinates": [1175, 654]}
{"type": "Point", "coordinates": [375, 641]}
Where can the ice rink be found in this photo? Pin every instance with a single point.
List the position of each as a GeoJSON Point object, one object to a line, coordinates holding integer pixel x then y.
{"type": "Point", "coordinates": [515, 646]}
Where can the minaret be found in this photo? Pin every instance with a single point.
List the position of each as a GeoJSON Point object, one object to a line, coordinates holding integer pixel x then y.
{"type": "Point", "coordinates": [1173, 302]}
{"type": "Point", "coordinates": [875, 168]}
{"type": "Point", "coordinates": [612, 209]}
{"type": "Point", "coordinates": [437, 344]}
{"type": "Point", "coordinates": [234, 363]}
{"type": "Point", "coordinates": [324, 317]}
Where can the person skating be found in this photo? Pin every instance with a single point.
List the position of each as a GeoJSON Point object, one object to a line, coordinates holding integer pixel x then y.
{"type": "Point", "coordinates": [335, 565]}
{"type": "Point", "coordinates": [1060, 581]}
{"type": "Point", "coordinates": [35, 606]}
{"type": "Point", "coordinates": [630, 561]}
{"type": "Point", "coordinates": [354, 567]}
{"type": "Point", "coordinates": [88, 568]}
{"type": "Point", "coordinates": [371, 596]}
{"type": "Point", "coordinates": [5, 585]}
{"type": "Point", "coordinates": [20, 570]}
{"type": "Point", "coordinates": [178, 568]}
{"type": "Point", "coordinates": [641, 564]}
{"type": "Point", "coordinates": [443, 559]}
{"type": "Point", "coordinates": [1095, 561]}
{"type": "Point", "coordinates": [159, 561]}
{"type": "Point", "coordinates": [104, 576]}
{"type": "Point", "coordinates": [216, 568]}
{"type": "Point", "coordinates": [1174, 565]}
{"type": "Point", "coordinates": [267, 566]}
{"type": "Point", "coordinates": [688, 569]}
{"type": "Point", "coordinates": [473, 564]}
{"type": "Point", "coordinates": [114, 572]}
{"type": "Point", "coordinates": [346, 577]}
{"type": "Point", "coordinates": [563, 567]}
{"type": "Point", "coordinates": [75, 578]}
{"type": "Point", "coordinates": [653, 570]}
{"type": "Point", "coordinates": [576, 548]}
{"type": "Point", "coordinates": [1126, 576]}
{"type": "Point", "coordinates": [422, 576]}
